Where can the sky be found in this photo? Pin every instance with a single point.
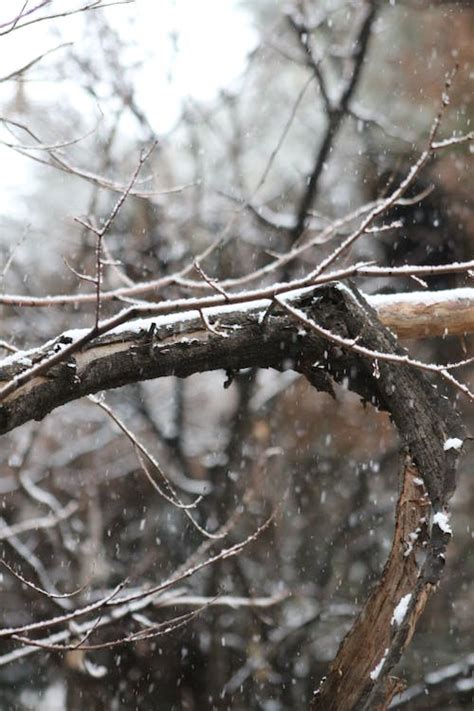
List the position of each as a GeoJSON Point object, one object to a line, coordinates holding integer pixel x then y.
{"type": "Point", "coordinates": [213, 38]}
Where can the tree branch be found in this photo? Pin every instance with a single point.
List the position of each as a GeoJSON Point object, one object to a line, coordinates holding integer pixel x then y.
{"type": "Point", "coordinates": [180, 344]}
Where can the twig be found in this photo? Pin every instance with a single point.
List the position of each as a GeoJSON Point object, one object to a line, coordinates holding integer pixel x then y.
{"type": "Point", "coordinates": [303, 34]}
{"type": "Point", "coordinates": [111, 600]}
{"type": "Point", "coordinates": [100, 233]}
{"type": "Point", "coordinates": [95, 5]}
{"type": "Point", "coordinates": [397, 193]}
{"type": "Point", "coordinates": [335, 116]}
{"type": "Point", "coordinates": [37, 589]}
{"type": "Point", "coordinates": [58, 162]}
{"type": "Point", "coordinates": [174, 499]}
{"type": "Point", "coordinates": [213, 283]}
{"type": "Point", "coordinates": [16, 73]}
{"type": "Point", "coordinates": [353, 345]}
{"type": "Point", "coordinates": [280, 141]}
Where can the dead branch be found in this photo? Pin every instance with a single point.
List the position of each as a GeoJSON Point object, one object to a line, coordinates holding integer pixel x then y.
{"type": "Point", "coordinates": [361, 656]}
{"type": "Point", "coordinates": [145, 349]}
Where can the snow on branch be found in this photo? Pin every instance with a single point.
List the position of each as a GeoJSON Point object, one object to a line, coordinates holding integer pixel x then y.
{"type": "Point", "coordinates": [170, 339]}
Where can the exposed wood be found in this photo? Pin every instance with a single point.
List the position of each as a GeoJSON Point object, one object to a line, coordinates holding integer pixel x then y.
{"type": "Point", "coordinates": [426, 313]}
{"type": "Point", "coordinates": [354, 670]}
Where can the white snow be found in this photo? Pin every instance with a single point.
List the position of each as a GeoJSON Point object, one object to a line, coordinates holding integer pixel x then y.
{"type": "Point", "coordinates": [176, 318]}
{"type": "Point", "coordinates": [75, 333]}
{"type": "Point", "coordinates": [412, 538]}
{"type": "Point", "coordinates": [452, 443]}
{"type": "Point", "coordinates": [138, 326]}
{"type": "Point", "coordinates": [374, 674]}
{"type": "Point", "coordinates": [422, 297]}
{"type": "Point", "coordinates": [441, 519]}
{"type": "Point", "coordinates": [24, 360]}
{"type": "Point", "coordinates": [401, 610]}
{"type": "Point", "coordinates": [144, 324]}
{"type": "Point", "coordinates": [21, 357]}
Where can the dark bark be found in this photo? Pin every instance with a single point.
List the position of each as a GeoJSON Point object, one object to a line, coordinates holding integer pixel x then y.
{"type": "Point", "coordinates": [260, 337]}
{"type": "Point", "coordinates": [184, 346]}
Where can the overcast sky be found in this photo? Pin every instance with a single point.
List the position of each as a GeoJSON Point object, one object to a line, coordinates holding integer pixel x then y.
{"type": "Point", "coordinates": [214, 37]}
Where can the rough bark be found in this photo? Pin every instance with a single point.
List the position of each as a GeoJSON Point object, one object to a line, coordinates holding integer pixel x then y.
{"type": "Point", "coordinates": [183, 346]}
{"type": "Point", "coordinates": [256, 336]}
{"type": "Point", "coordinates": [349, 680]}
{"type": "Point", "coordinates": [160, 347]}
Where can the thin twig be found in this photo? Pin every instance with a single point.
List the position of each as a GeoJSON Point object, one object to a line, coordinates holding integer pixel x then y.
{"type": "Point", "coordinates": [17, 72]}
{"type": "Point", "coordinates": [397, 193]}
{"type": "Point", "coordinates": [174, 499]}
{"type": "Point", "coordinates": [353, 345]}
{"type": "Point", "coordinates": [100, 233]}
{"type": "Point", "coordinates": [335, 116]}
{"type": "Point", "coordinates": [96, 5]}
{"type": "Point", "coordinates": [111, 600]}
{"type": "Point", "coordinates": [36, 588]}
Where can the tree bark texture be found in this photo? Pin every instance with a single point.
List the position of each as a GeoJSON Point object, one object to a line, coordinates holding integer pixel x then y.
{"type": "Point", "coordinates": [421, 314]}
{"type": "Point", "coordinates": [253, 335]}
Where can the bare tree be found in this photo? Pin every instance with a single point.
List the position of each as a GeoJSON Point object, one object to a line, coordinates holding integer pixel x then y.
{"type": "Point", "coordinates": [160, 507]}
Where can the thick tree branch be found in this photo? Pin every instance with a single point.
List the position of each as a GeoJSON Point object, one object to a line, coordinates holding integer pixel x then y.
{"type": "Point", "coordinates": [358, 662]}
{"type": "Point", "coordinates": [181, 344]}
{"type": "Point", "coordinates": [262, 334]}
{"type": "Point", "coordinates": [426, 313]}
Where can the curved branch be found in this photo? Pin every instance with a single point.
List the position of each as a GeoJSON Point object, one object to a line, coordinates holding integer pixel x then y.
{"type": "Point", "coordinates": [262, 334]}
{"type": "Point", "coordinates": [181, 344]}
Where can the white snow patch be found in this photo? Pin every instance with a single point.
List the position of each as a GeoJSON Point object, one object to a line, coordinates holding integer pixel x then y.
{"type": "Point", "coordinates": [144, 324]}
{"type": "Point", "coordinates": [421, 297]}
{"type": "Point", "coordinates": [412, 538]}
{"type": "Point", "coordinates": [139, 325]}
{"type": "Point", "coordinates": [401, 610]}
{"type": "Point", "coordinates": [75, 334]}
{"type": "Point", "coordinates": [374, 674]}
{"type": "Point", "coordinates": [24, 360]}
{"type": "Point", "coordinates": [452, 443]}
{"type": "Point", "coordinates": [21, 357]}
{"type": "Point", "coordinates": [441, 519]}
